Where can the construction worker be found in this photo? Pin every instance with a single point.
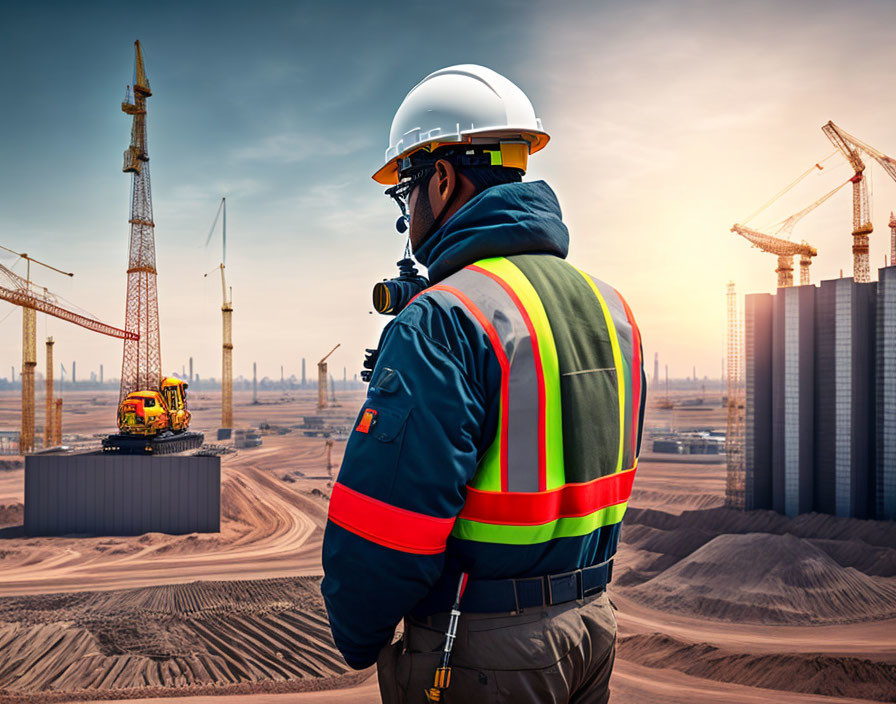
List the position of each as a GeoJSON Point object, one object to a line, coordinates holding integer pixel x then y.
{"type": "Point", "coordinates": [489, 468]}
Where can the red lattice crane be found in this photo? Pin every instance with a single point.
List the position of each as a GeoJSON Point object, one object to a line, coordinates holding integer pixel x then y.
{"type": "Point", "coordinates": [18, 290]}
{"type": "Point", "coordinates": [141, 365]}
{"type": "Point", "coordinates": [784, 248]}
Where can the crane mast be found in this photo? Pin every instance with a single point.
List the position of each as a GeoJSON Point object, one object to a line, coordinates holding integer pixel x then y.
{"type": "Point", "coordinates": [141, 366]}
{"type": "Point", "coordinates": [734, 436]}
{"type": "Point", "coordinates": [892, 239]}
{"type": "Point", "coordinates": [322, 380]}
{"type": "Point", "coordinates": [49, 424]}
{"type": "Point", "coordinates": [861, 208]}
{"type": "Point", "coordinates": [227, 356]}
{"type": "Point", "coordinates": [226, 321]}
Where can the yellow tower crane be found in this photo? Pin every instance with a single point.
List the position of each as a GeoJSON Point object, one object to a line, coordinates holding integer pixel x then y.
{"type": "Point", "coordinates": [892, 239]}
{"type": "Point", "coordinates": [850, 146]}
{"type": "Point", "coordinates": [49, 423]}
{"type": "Point", "coordinates": [861, 207]}
{"type": "Point", "coordinates": [322, 380]}
{"type": "Point", "coordinates": [18, 290]}
{"type": "Point", "coordinates": [227, 322]}
{"type": "Point", "coordinates": [785, 248]}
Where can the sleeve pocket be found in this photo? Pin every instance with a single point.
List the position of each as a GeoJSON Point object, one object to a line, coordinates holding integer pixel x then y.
{"type": "Point", "coordinates": [371, 458]}
{"type": "Point", "coordinates": [390, 422]}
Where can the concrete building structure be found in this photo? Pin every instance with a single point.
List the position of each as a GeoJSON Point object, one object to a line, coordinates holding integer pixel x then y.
{"type": "Point", "coordinates": [758, 315]}
{"type": "Point", "coordinates": [110, 494]}
{"type": "Point", "coordinates": [820, 398]}
{"type": "Point", "coordinates": [885, 387]}
{"type": "Point", "coordinates": [844, 427]}
{"type": "Point", "coordinates": [793, 398]}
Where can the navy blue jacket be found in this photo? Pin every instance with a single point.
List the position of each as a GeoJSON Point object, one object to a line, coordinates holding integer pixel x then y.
{"type": "Point", "coordinates": [436, 388]}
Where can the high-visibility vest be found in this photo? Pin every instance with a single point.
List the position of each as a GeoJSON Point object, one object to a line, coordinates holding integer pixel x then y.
{"type": "Point", "coordinates": [564, 455]}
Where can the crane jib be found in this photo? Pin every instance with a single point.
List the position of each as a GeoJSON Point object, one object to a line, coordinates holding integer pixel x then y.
{"type": "Point", "coordinates": [28, 300]}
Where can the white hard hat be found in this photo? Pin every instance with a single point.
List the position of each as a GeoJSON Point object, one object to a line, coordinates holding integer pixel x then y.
{"type": "Point", "coordinates": [463, 104]}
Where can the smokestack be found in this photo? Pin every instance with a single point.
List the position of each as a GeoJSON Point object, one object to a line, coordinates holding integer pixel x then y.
{"type": "Point", "coordinates": [303, 372]}
{"type": "Point", "coordinates": [254, 383]}
{"type": "Point", "coordinates": [332, 389]}
{"type": "Point", "coordinates": [656, 368]}
{"type": "Point", "coordinates": [282, 383]}
{"type": "Point", "coordinates": [695, 373]}
{"type": "Point", "coordinates": [74, 376]}
{"type": "Point", "coordinates": [13, 377]}
{"type": "Point", "coordinates": [191, 370]}
{"type": "Point", "coordinates": [344, 379]}
{"type": "Point", "coordinates": [101, 375]}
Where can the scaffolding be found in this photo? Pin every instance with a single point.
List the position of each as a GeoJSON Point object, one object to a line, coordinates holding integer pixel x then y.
{"type": "Point", "coordinates": [734, 437]}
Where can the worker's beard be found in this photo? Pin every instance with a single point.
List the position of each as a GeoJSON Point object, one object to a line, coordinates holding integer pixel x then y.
{"type": "Point", "coordinates": [422, 221]}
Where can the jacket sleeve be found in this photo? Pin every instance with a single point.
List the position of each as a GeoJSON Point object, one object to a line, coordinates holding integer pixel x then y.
{"type": "Point", "coordinates": [400, 487]}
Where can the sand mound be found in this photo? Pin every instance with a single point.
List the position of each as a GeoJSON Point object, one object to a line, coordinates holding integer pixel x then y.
{"type": "Point", "coordinates": [12, 515]}
{"type": "Point", "coordinates": [771, 579]}
{"type": "Point", "coordinates": [679, 543]}
{"type": "Point", "coordinates": [673, 499]}
{"type": "Point", "coordinates": [875, 561]}
{"type": "Point", "coordinates": [808, 525]}
{"type": "Point", "coordinates": [810, 673]}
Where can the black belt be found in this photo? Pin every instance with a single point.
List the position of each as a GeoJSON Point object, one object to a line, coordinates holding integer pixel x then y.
{"type": "Point", "coordinates": [514, 595]}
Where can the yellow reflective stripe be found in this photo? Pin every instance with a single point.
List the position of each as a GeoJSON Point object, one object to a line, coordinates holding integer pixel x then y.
{"type": "Point", "coordinates": [522, 287]}
{"type": "Point", "coordinates": [617, 361]}
{"type": "Point", "coordinates": [488, 474]}
{"type": "Point", "coordinates": [531, 535]}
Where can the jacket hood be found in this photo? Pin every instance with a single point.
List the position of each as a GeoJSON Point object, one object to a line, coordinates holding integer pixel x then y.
{"type": "Point", "coordinates": [513, 218]}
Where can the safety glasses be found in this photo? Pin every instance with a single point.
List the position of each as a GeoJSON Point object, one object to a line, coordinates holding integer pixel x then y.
{"type": "Point", "coordinates": [401, 192]}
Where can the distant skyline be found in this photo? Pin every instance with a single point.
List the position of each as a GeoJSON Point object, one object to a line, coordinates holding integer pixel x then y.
{"type": "Point", "coordinates": [669, 122]}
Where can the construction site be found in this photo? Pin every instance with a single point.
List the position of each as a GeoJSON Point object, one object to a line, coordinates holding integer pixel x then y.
{"type": "Point", "coordinates": [162, 539]}
{"type": "Point", "coordinates": [812, 370]}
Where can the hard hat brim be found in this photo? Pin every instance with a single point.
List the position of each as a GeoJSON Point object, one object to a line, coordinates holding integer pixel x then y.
{"type": "Point", "coordinates": [387, 174]}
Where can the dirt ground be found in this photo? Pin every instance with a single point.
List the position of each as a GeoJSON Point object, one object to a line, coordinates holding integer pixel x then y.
{"type": "Point", "coordinates": [713, 605]}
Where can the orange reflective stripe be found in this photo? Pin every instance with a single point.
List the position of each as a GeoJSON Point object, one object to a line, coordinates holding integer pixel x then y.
{"type": "Point", "coordinates": [387, 525]}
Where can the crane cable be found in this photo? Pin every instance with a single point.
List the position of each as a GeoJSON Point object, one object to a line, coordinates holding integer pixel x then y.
{"type": "Point", "coordinates": [817, 165]}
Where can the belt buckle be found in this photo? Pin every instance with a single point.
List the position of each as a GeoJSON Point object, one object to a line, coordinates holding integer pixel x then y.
{"type": "Point", "coordinates": [564, 587]}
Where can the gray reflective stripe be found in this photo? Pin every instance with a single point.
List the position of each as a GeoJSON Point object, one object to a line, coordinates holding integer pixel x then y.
{"type": "Point", "coordinates": [625, 336]}
{"type": "Point", "coordinates": [522, 412]}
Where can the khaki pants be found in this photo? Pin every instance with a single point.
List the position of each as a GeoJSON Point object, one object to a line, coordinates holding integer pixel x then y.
{"type": "Point", "coordinates": [556, 654]}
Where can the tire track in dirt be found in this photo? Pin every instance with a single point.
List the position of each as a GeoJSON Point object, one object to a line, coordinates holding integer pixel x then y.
{"type": "Point", "coordinates": [174, 636]}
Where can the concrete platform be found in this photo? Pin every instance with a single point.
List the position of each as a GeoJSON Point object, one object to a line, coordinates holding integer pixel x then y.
{"type": "Point", "coordinates": [102, 494]}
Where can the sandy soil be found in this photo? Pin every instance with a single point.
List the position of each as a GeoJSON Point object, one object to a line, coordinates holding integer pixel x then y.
{"type": "Point", "coordinates": [712, 605]}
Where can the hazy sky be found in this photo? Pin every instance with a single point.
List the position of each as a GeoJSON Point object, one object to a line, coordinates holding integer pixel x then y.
{"type": "Point", "coordinates": [670, 121]}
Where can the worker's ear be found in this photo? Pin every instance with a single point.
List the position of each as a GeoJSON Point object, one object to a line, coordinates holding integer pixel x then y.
{"type": "Point", "coordinates": [441, 187]}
